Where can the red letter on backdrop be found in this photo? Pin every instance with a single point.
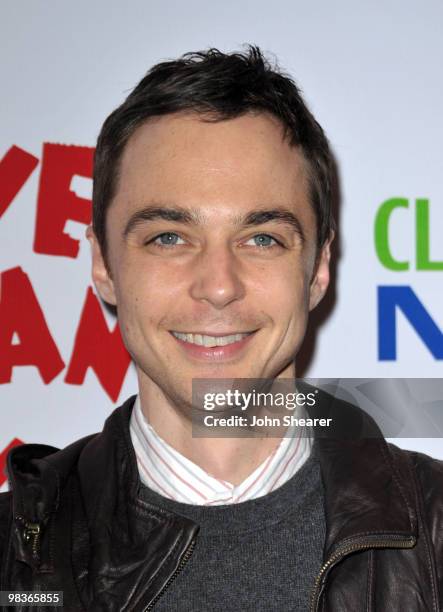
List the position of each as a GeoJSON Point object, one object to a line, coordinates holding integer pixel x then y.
{"type": "Point", "coordinates": [15, 169]}
{"type": "Point", "coordinates": [98, 348]}
{"type": "Point", "coordinates": [20, 313]}
{"type": "Point", "coordinates": [3, 454]}
{"type": "Point", "coordinates": [56, 202]}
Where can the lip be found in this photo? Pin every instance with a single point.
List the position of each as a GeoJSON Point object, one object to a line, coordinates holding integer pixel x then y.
{"type": "Point", "coordinates": [215, 353]}
{"type": "Point", "coordinates": [215, 334]}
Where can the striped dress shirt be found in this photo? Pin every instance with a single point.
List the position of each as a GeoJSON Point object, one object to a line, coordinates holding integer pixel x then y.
{"type": "Point", "coordinates": [169, 473]}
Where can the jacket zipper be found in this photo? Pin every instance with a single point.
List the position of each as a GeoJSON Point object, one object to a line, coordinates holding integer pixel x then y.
{"type": "Point", "coordinates": [357, 546]}
{"type": "Point", "coordinates": [187, 555]}
{"type": "Point", "coordinates": [31, 534]}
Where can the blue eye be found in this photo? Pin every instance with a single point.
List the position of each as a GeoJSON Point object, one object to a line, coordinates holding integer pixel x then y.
{"type": "Point", "coordinates": [167, 239]}
{"type": "Point", "coordinates": [264, 240]}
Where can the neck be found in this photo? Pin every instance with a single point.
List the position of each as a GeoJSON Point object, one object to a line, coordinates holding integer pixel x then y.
{"type": "Point", "coordinates": [229, 459]}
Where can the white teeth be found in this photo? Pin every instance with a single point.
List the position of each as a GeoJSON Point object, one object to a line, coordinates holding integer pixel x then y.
{"type": "Point", "coordinates": [209, 341]}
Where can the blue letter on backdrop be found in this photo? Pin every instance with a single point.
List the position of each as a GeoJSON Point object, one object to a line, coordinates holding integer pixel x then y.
{"type": "Point", "coordinates": [403, 297]}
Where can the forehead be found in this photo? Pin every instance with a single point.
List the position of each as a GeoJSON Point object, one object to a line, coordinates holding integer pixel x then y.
{"type": "Point", "coordinates": [222, 168]}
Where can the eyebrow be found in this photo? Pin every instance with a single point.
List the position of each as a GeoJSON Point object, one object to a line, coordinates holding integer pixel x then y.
{"type": "Point", "coordinates": [193, 217]}
{"type": "Point", "coordinates": [166, 213]}
{"type": "Point", "coordinates": [281, 215]}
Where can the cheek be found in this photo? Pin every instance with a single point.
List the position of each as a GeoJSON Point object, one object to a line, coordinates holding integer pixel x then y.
{"type": "Point", "coordinates": [285, 293]}
{"type": "Point", "coordinates": [144, 296]}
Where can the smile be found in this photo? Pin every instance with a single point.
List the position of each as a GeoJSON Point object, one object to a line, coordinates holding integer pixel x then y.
{"type": "Point", "coordinates": [210, 341]}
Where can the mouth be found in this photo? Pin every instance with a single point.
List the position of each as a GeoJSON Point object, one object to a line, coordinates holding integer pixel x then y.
{"type": "Point", "coordinates": [210, 341]}
{"type": "Point", "coordinates": [213, 347]}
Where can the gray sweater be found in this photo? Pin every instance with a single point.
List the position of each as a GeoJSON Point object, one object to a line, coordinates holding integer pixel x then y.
{"type": "Point", "coordinates": [261, 555]}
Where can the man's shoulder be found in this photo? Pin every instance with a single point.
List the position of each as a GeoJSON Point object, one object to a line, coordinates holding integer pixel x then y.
{"type": "Point", "coordinates": [422, 463]}
{"type": "Point", "coordinates": [428, 474]}
{"type": "Point", "coordinates": [429, 470]}
{"type": "Point", "coordinates": [32, 467]}
{"type": "Point", "coordinates": [85, 462]}
{"type": "Point", "coordinates": [28, 460]}
{"type": "Point", "coordinates": [31, 459]}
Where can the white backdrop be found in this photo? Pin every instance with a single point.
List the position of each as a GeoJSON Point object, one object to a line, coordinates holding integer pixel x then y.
{"type": "Point", "coordinates": [370, 71]}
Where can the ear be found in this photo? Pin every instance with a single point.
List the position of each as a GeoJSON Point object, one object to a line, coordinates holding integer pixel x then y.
{"type": "Point", "coordinates": [100, 272]}
{"type": "Point", "coordinates": [320, 280]}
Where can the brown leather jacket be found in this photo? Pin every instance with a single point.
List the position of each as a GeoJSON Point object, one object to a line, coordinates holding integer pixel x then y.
{"type": "Point", "coordinates": [74, 522]}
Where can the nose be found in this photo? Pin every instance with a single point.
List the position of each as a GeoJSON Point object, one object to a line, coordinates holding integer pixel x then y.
{"type": "Point", "coordinates": [216, 277]}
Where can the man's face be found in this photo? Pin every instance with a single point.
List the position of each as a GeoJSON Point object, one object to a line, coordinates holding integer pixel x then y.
{"type": "Point", "coordinates": [212, 252]}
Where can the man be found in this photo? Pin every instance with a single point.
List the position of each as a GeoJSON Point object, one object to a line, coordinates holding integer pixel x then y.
{"type": "Point", "coordinates": [211, 236]}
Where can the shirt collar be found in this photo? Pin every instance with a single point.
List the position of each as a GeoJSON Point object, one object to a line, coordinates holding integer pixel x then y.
{"type": "Point", "coordinates": [171, 474]}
